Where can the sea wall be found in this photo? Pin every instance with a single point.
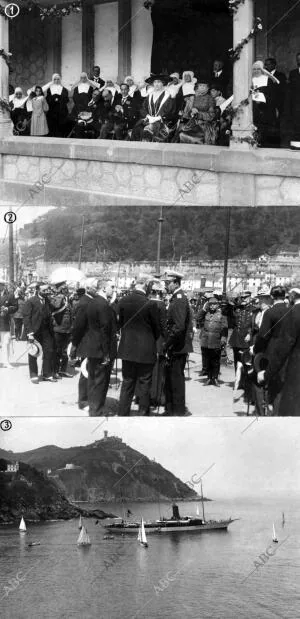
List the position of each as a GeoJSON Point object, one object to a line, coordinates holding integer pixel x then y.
{"type": "Point", "coordinates": [60, 172]}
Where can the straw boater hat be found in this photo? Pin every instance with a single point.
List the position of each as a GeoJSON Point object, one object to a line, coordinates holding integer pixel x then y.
{"type": "Point", "coordinates": [34, 349]}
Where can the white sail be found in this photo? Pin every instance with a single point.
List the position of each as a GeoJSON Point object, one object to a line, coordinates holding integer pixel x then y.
{"type": "Point", "coordinates": [22, 526]}
{"type": "Point", "coordinates": [139, 537]}
{"type": "Point", "coordinates": [83, 539]}
{"type": "Point", "coordinates": [197, 511]}
{"type": "Point", "coordinates": [274, 534]}
{"type": "Point", "coordinates": [80, 523]}
{"type": "Point", "coordinates": [143, 533]}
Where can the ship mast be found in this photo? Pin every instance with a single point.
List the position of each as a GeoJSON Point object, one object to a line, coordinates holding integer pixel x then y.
{"type": "Point", "coordinates": [202, 502]}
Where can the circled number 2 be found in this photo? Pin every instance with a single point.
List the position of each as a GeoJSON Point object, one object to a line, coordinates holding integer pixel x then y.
{"type": "Point", "coordinates": [10, 217]}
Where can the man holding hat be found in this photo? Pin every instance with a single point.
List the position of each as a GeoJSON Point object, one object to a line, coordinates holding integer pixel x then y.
{"type": "Point", "coordinates": [179, 335]}
{"type": "Point", "coordinates": [157, 111]}
{"type": "Point", "coordinates": [38, 326]}
{"type": "Point", "coordinates": [287, 351]}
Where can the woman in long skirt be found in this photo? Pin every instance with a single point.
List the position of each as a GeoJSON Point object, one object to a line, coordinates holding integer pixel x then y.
{"type": "Point", "coordinates": [38, 105]}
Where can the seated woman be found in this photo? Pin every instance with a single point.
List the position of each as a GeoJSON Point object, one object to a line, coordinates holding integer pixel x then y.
{"type": "Point", "coordinates": [157, 113]}
{"type": "Point", "coordinates": [38, 105]}
{"type": "Point", "coordinates": [19, 114]}
{"type": "Point", "coordinates": [82, 94]}
{"type": "Point", "coordinates": [265, 112]}
{"type": "Point", "coordinates": [186, 90]}
{"type": "Point", "coordinates": [58, 115]}
{"type": "Point", "coordinates": [201, 126]}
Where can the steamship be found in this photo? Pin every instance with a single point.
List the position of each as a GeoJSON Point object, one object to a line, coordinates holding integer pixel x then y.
{"type": "Point", "coordinates": [174, 524]}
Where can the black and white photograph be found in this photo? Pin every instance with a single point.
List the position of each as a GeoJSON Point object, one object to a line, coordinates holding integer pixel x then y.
{"type": "Point", "coordinates": [140, 102]}
{"type": "Point", "coordinates": [160, 311]}
{"type": "Point", "coordinates": [198, 518]}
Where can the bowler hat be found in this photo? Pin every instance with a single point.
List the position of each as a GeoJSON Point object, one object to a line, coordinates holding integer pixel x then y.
{"type": "Point", "coordinates": [260, 362]}
{"type": "Point", "coordinates": [34, 349]}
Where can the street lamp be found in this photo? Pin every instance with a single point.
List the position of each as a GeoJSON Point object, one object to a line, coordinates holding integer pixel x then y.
{"type": "Point", "coordinates": [160, 222]}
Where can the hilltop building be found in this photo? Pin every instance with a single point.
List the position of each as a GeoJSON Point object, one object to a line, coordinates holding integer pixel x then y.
{"type": "Point", "coordinates": [12, 468]}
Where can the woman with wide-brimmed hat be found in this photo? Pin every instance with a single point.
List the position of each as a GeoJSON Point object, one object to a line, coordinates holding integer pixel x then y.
{"type": "Point", "coordinates": [200, 111]}
{"type": "Point", "coordinates": [157, 112]}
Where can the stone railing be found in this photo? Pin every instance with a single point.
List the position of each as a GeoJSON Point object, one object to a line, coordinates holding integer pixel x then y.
{"type": "Point", "coordinates": [60, 172]}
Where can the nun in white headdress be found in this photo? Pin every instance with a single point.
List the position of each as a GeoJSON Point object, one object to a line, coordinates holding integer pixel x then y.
{"type": "Point", "coordinates": [19, 115]}
{"type": "Point", "coordinates": [264, 98]}
{"type": "Point", "coordinates": [131, 85]}
{"type": "Point", "coordinates": [174, 86]}
{"type": "Point", "coordinates": [82, 93]}
{"type": "Point", "coordinates": [57, 98]}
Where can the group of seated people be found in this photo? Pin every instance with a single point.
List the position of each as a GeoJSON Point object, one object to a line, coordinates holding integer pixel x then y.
{"type": "Point", "coordinates": [163, 108]}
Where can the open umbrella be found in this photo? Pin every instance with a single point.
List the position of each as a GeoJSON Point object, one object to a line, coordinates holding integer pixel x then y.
{"type": "Point", "coordinates": [66, 274]}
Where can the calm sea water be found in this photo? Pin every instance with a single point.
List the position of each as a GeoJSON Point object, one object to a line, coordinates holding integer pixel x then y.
{"type": "Point", "coordinates": [187, 575]}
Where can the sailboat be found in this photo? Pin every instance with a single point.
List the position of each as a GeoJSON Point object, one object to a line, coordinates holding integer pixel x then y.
{"type": "Point", "coordinates": [22, 527]}
{"type": "Point", "coordinates": [275, 540]}
{"type": "Point", "coordinates": [142, 535]}
{"type": "Point", "coordinates": [83, 539]}
{"type": "Point", "coordinates": [283, 520]}
{"type": "Point", "coordinates": [197, 511]}
{"type": "Point", "coordinates": [80, 523]}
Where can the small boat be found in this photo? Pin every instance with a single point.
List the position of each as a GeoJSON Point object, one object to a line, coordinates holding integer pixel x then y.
{"type": "Point", "coordinates": [83, 539]}
{"type": "Point", "coordinates": [34, 544]}
{"type": "Point", "coordinates": [275, 540]}
{"type": "Point", "coordinates": [80, 523]}
{"type": "Point", "coordinates": [22, 527]}
{"type": "Point", "coordinates": [283, 520]}
{"type": "Point", "coordinates": [142, 535]}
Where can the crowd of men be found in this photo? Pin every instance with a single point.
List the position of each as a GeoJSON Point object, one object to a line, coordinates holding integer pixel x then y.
{"type": "Point", "coordinates": [187, 108]}
{"type": "Point", "coordinates": [266, 347]}
{"type": "Point", "coordinates": [151, 328]}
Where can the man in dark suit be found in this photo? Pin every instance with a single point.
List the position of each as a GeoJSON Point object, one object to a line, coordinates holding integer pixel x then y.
{"type": "Point", "coordinates": [220, 78]}
{"type": "Point", "coordinates": [38, 325]}
{"type": "Point", "coordinates": [273, 323]}
{"type": "Point", "coordinates": [139, 324]}
{"type": "Point", "coordinates": [287, 351]}
{"type": "Point", "coordinates": [294, 99]}
{"type": "Point", "coordinates": [96, 77]}
{"type": "Point", "coordinates": [178, 344]}
{"type": "Point", "coordinates": [79, 342]}
{"type": "Point", "coordinates": [99, 348]}
{"type": "Point", "coordinates": [279, 90]}
{"type": "Point", "coordinates": [126, 113]}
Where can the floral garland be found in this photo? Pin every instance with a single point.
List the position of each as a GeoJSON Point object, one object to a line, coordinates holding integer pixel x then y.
{"type": "Point", "coordinates": [235, 53]}
{"type": "Point", "coordinates": [4, 105]}
{"type": "Point", "coordinates": [5, 55]}
{"type": "Point", "coordinates": [49, 11]}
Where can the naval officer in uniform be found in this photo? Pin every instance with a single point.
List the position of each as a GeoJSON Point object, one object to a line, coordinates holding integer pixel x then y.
{"type": "Point", "coordinates": [178, 343]}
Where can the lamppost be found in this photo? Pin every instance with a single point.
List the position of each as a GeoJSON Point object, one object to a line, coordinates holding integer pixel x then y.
{"type": "Point", "coordinates": [160, 222]}
{"type": "Point", "coordinates": [227, 241]}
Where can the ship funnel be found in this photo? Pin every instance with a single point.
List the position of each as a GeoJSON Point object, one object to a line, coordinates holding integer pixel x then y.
{"type": "Point", "coordinates": [176, 514]}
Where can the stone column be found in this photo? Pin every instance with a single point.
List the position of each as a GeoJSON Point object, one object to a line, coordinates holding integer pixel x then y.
{"type": "Point", "coordinates": [242, 73]}
{"type": "Point", "coordinates": [124, 61]}
{"type": "Point", "coordinates": [88, 38]}
{"type": "Point", "coordinates": [5, 121]}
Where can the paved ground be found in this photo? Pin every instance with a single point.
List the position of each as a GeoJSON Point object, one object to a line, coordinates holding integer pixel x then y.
{"type": "Point", "coordinates": [18, 396]}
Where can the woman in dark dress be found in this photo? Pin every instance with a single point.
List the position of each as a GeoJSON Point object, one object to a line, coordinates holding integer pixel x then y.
{"type": "Point", "coordinates": [19, 115]}
{"type": "Point", "coordinates": [82, 94]}
{"type": "Point", "coordinates": [57, 99]}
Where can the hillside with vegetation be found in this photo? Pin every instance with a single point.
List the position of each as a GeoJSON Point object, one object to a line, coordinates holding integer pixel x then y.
{"type": "Point", "coordinates": [188, 233]}
{"type": "Point", "coordinates": [107, 470]}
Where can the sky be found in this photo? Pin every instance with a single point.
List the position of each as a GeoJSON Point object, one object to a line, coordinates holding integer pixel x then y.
{"type": "Point", "coordinates": [25, 215]}
{"type": "Point", "coordinates": [235, 457]}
